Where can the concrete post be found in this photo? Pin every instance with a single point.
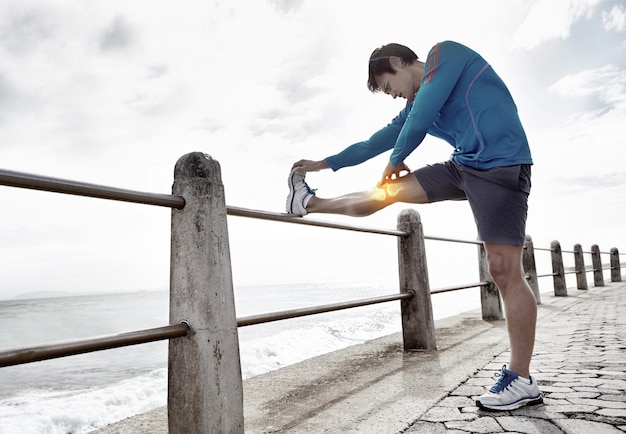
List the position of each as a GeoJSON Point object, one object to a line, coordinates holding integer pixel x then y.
{"type": "Point", "coordinates": [418, 324]}
{"type": "Point", "coordinates": [579, 263]}
{"type": "Point", "coordinates": [616, 271]}
{"type": "Point", "coordinates": [558, 270]}
{"type": "Point", "coordinates": [490, 302]}
{"type": "Point", "coordinates": [596, 260]}
{"type": "Point", "coordinates": [530, 267]}
{"type": "Point", "coordinates": [205, 393]}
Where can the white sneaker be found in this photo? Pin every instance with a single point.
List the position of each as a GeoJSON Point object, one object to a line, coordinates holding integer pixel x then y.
{"type": "Point", "coordinates": [510, 392]}
{"type": "Point", "coordinates": [299, 194]}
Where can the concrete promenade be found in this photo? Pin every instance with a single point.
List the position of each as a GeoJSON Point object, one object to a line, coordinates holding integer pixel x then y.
{"type": "Point", "coordinates": [579, 363]}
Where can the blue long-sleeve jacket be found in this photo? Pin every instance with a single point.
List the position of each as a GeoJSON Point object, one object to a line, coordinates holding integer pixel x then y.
{"type": "Point", "coordinates": [462, 101]}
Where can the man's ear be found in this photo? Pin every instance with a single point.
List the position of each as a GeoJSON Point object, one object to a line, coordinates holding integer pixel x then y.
{"type": "Point", "coordinates": [395, 62]}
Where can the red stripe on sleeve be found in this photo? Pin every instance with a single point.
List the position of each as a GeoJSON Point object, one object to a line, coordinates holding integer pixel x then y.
{"type": "Point", "coordinates": [433, 61]}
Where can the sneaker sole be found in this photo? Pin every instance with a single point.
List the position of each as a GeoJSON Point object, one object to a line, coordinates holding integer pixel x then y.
{"type": "Point", "coordinates": [292, 195]}
{"type": "Point", "coordinates": [523, 403]}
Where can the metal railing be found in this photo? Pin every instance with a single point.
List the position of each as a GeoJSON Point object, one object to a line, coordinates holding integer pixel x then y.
{"type": "Point", "coordinates": [206, 319]}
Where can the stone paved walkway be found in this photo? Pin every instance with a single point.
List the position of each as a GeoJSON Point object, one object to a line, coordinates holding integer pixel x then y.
{"type": "Point", "coordinates": [377, 388]}
{"type": "Point", "coordinates": [579, 363]}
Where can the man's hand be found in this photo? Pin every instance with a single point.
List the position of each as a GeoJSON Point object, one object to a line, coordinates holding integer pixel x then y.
{"type": "Point", "coordinates": [390, 173]}
{"type": "Point", "coordinates": [309, 166]}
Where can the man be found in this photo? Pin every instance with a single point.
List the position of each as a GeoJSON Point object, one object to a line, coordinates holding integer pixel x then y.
{"type": "Point", "coordinates": [455, 95]}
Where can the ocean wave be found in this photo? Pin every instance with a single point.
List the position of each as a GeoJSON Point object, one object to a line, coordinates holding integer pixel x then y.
{"type": "Point", "coordinates": [82, 411]}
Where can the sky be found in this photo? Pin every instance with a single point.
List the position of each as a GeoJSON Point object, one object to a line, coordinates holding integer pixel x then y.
{"type": "Point", "coordinates": [115, 92]}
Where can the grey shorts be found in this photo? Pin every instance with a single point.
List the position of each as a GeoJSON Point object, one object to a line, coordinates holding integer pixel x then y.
{"type": "Point", "coordinates": [498, 197]}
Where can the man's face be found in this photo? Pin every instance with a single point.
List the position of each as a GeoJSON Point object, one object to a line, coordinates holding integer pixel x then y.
{"type": "Point", "coordinates": [399, 84]}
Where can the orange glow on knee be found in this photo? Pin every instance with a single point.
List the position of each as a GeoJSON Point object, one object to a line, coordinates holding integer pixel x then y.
{"type": "Point", "coordinates": [392, 189]}
{"type": "Point", "coordinates": [379, 193]}
{"type": "Point", "coordinates": [384, 191]}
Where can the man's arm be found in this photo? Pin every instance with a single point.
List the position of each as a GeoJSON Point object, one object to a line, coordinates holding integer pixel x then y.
{"type": "Point", "coordinates": [355, 154]}
{"type": "Point", "coordinates": [310, 165]}
{"type": "Point", "coordinates": [381, 141]}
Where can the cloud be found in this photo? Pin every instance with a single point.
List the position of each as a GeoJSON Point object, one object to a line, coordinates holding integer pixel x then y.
{"type": "Point", "coordinates": [615, 20]}
{"type": "Point", "coordinates": [547, 20]}
{"type": "Point", "coordinates": [23, 31]}
{"type": "Point", "coordinates": [287, 5]}
{"type": "Point", "coordinates": [603, 181]}
{"type": "Point", "coordinates": [114, 92]}
{"type": "Point", "coordinates": [608, 84]}
{"type": "Point", "coordinates": [118, 35]}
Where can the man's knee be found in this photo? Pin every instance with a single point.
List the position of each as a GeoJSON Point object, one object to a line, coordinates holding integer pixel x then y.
{"type": "Point", "coordinates": [496, 263]}
{"type": "Point", "coordinates": [504, 264]}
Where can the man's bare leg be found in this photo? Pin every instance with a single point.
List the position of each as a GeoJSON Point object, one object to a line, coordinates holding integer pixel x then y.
{"type": "Point", "coordinates": [520, 305]}
{"type": "Point", "coordinates": [405, 189]}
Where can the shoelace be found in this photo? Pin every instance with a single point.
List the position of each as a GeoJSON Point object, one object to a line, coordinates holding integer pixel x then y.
{"type": "Point", "coordinates": [504, 379]}
{"type": "Point", "coordinates": [309, 189]}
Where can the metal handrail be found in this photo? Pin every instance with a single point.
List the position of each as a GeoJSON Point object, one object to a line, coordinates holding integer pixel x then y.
{"type": "Point", "coordinates": [295, 313]}
{"type": "Point", "coordinates": [57, 185]}
{"type": "Point", "coordinates": [70, 348]}
{"type": "Point", "coordinates": [458, 287]}
{"type": "Point", "coordinates": [76, 188]}
{"type": "Point", "coordinates": [452, 240]}
{"type": "Point", "coordinates": [288, 218]}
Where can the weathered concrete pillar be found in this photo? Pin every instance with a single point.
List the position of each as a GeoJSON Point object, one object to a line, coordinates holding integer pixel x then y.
{"type": "Point", "coordinates": [596, 260]}
{"type": "Point", "coordinates": [616, 270]}
{"type": "Point", "coordinates": [491, 305]}
{"type": "Point", "coordinates": [418, 324]}
{"type": "Point", "coordinates": [530, 267]}
{"type": "Point", "coordinates": [558, 270]}
{"type": "Point", "coordinates": [579, 265]}
{"type": "Point", "coordinates": [204, 372]}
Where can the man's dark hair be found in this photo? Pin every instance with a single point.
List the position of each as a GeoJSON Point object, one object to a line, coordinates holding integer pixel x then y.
{"type": "Point", "coordinates": [379, 62]}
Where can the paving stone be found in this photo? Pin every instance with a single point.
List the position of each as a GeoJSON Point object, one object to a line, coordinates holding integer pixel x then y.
{"type": "Point", "coordinates": [613, 412]}
{"type": "Point", "coordinates": [564, 377]}
{"type": "Point", "coordinates": [613, 397]}
{"type": "Point", "coordinates": [471, 409]}
{"type": "Point", "coordinates": [598, 402]}
{"type": "Point", "coordinates": [585, 389]}
{"type": "Point", "coordinates": [469, 391]}
{"type": "Point", "coordinates": [457, 402]}
{"type": "Point", "coordinates": [484, 374]}
{"type": "Point", "coordinates": [613, 384]}
{"type": "Point", "coordinates": [443, 414]}
{"type": "Point", "coordinates": [528, 425]}
{"type": "Point", "coordinates": [481, 381]}
{"type": "Point", "coordinates": [572, 395]}
{"type": "Point", "coordinates": [580, 382]}
{"type": "Point", "coordinates": [571, 408]}
{"type": "Point", "coordinates": [552, 389]}
{"type": "Point", "coordinates": [537, 412]}
{"type": "Point", "coordinates": [482, 425]}
{"type": "Point", "coordinates": [580, 426]}
{"type": "Point", "coordinates": [428, 427]}
{"type": "Point", "coordinates": [601, 372]}
{"type": "Point", "coordinates": [607, 371]}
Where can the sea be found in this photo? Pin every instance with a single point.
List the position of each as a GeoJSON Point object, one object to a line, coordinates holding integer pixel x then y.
{"type": "Point", "coordinates": [82, 393]}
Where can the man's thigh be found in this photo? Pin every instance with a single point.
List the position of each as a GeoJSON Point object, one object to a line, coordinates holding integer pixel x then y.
{"type": "Point", "coordinates": [499, 201]}
{"type": "Point", "coordinates": [405, 189]}
{"type": "Point", "coordinates": [441, 181]}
